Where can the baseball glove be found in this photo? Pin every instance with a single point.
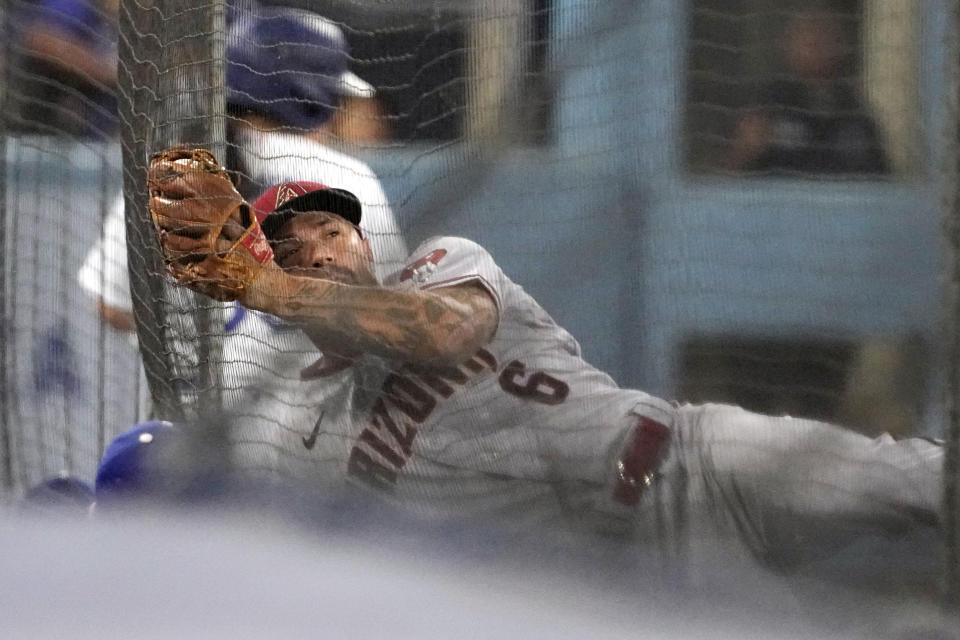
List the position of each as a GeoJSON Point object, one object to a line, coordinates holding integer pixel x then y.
{"type": "Point", "coordinates": [210, 239]}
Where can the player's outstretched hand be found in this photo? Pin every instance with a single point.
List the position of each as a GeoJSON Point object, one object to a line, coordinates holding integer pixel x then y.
{"type": "Point", "coordinates": [210, 239]}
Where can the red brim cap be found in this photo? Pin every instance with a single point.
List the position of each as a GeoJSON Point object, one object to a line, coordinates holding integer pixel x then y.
{"type": "Point", "coordinates": [274, 210]}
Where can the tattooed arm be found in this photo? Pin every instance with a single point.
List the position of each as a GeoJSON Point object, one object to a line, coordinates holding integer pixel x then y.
{"type": "Point", "coordinates": [443, 326]}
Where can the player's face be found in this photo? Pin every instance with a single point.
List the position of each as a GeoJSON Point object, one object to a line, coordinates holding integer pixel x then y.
{"type": "Point", "coordinates": [323, 245]}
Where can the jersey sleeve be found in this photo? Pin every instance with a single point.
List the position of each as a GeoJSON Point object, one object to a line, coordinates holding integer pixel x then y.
{"type": "Point", "coordinates": [448, 261]}
{"type": "Point", "coordinates": [104, 271]}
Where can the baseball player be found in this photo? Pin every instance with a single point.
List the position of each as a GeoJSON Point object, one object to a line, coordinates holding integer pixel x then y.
{"type": "Point", "coordinates": [488, 407]}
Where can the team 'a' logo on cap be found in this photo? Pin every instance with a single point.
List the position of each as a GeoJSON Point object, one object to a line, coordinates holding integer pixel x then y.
{"type": "Point", "coordinates": [422, 268]}
{"type": "Point", "coordinates": [287, 192]}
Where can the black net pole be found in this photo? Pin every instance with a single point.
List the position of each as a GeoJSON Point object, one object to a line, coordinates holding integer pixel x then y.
{"type": "Point", "coordinates": [951, 223]}
{"type": "Point", "coordinates": [169, 93]}
{"type": "Point", "coordinates": [6, 334]}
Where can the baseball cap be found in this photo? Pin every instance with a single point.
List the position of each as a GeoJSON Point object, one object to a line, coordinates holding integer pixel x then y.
{"type": "Point", "coordinates": [283, 201]}
{"type": "Point", "coordinates": [131, 465]}
{"type": "Point", "coordinates": [290, 65]}
{"type": "Point", "coordinates": [59, 492]}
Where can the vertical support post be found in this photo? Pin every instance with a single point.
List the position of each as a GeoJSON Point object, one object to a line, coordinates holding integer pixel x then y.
{"type": "Point", "coordinates": [951, 230]}
{"type": "Point", "coordinates": [211, 318]}
{"type": "Point", "coordinates": [171, 91]}
{"type": "Point", "coordinates": [6, 334]}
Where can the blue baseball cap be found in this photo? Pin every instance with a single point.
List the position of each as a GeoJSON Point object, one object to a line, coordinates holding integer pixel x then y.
{"type": "Point", "coordinates": [131, 465]}
{"type": "Point", "coordinates": [62, 492]}
{"type": "Point", "coordinates": [290, 65]}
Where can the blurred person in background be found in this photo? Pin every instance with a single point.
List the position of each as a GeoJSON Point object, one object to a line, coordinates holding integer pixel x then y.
{"type": "Point", "coordinates": [145, 462]}
{"type": "Point", "coordinates": [59, 494]}
{"type": "Point", "coordinates": [362, 121]}
{"type": "Point", "coordinates": [810, 119]}
{"type": "Point", "coordinates": [67, 69]}
{"type": "Point", "coordinates": [885, 387]}
{"type": "Point", "coordinates": [103, 274]}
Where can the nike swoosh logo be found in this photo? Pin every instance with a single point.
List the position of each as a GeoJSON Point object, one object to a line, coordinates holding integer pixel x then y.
{"type": "Point", "coordinates": [311, 440]}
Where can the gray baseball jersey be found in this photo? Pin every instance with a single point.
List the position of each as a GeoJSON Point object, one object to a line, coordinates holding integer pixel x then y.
{"type": "Point", "coordinates": [527, 431]}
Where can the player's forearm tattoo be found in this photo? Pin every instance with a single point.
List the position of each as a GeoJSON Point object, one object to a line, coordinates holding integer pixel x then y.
{"type": "Point", "coordinates": [413, 326]}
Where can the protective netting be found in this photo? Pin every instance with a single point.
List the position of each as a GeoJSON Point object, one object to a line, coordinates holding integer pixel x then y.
{"type": "Point", "coordinates": [721, 201]}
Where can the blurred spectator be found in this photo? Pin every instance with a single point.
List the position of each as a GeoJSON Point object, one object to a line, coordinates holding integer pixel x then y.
{"type": "Point", "coordinates": [68, 68]}
{"type": "Point", "coordinates": [810, 119]}
{"type": "Point", "coordinates": [885, 387]}
{"type": "Point", "coordinates": [362, 121]}
{"type": "Point", "coordinates": [61, 494]}
{"type": "Point", "coordinates": [140, 463]}
{"type": "Point", "coordinates": [104, 272]}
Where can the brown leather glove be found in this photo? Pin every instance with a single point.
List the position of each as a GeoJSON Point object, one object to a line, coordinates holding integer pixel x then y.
{"type": "Point", "coordinates": [211, 241]}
